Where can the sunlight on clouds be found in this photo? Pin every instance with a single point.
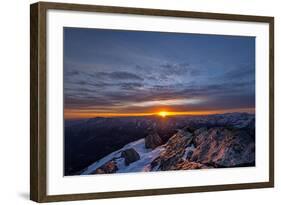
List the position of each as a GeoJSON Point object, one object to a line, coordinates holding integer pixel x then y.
{"type": "Point", "coordinates": [167, 102]}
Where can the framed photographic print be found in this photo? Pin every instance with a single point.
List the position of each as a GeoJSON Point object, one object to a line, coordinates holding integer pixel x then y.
{"type": "Point", "coordinates": [134, 102]}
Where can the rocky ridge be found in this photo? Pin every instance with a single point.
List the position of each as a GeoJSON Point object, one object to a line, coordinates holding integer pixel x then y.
{"type": "Point", "coordinates": [188, 148]}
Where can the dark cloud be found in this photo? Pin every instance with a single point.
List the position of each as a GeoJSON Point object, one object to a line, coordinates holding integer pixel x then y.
{"type": "Point", "coordinates": [241, 72]}
{"type": "Point", "coordinates": [179, 69]}
{"type": "Point", "coordinates": [118, 75]}
{"type": "Point", "coordinates": [71, 73]}
{"type": "Point", "coordinates": [228, 95]}
{"type": "Point", "coordinates": [130, 86]}
{"type": "Point", "coordinates": [85, 85]}
{"type": "Point", "coordinates": [175, 69]}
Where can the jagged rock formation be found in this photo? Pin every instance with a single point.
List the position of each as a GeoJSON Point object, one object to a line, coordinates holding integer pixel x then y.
{"type": "Point", "coordinates": [221, 147]}
{"type": "Point", "coordinates": [153, 140]}
{"type": "Point", "coordinates": [130, 155]}
{"type": "Point", "coordinates": [173, 152]}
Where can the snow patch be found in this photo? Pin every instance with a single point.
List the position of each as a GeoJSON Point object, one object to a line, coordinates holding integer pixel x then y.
{"type": "Point", "coordinates": [143, 164]}
{"type": "Point", "coordinates": [187, 150]}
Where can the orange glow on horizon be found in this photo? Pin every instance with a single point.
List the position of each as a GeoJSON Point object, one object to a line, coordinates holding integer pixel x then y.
{"type": "Point", "coordinates": [78, 114]}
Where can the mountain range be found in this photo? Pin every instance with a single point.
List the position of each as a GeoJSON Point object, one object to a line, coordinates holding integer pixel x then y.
{"type": "Point", "coordinates": [152, 143]}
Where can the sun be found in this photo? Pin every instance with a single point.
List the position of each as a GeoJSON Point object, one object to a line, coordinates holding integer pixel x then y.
{"type": "Point", "coordinates": [163, 113]}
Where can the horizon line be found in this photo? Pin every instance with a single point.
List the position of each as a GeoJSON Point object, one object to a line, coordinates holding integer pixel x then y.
{"type": "Point", "coordinates": [75, 115]}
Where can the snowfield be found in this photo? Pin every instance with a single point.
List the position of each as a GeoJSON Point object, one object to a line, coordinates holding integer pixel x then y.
{"type": "Point", "coordinates": [142, 165]}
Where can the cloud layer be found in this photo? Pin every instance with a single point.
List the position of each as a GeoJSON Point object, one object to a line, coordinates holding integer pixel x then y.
{"type": "Point", "coordinates": [107, 71]}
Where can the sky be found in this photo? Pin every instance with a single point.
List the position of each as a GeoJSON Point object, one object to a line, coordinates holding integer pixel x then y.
{"type": "Point", "coordinates": [128, 73]}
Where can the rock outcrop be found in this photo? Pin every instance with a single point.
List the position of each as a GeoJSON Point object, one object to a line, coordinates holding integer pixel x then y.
{"type": "Point", "coordinates": [152, 141]}
{"type": "Point", "coordinates": [173, 152]}
{"type": "Point", "coordinates": [185, 165]}
{"type": "Point", "coordinates": [222, 147]}
{"type": "Point", "coordinates": [207, 148]}
{"type": "Point", "coordinates": [109, 167]}
{"type": "Point", "coordinates": [130, 156]}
